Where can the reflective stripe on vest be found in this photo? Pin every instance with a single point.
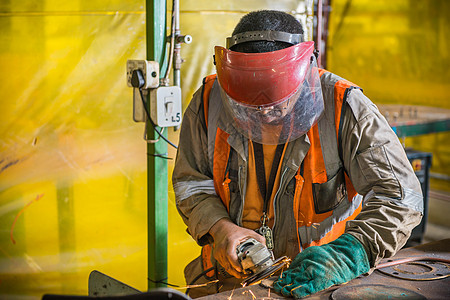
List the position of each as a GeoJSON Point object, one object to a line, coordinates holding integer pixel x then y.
{"type": "Point", "coordinates": [207, 249]}
{"type": "Point", "coordinates": [314, 227]}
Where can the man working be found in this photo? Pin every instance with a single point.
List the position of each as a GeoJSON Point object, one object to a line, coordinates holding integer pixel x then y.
{"type": "Point", "coordinates": [274, 146]}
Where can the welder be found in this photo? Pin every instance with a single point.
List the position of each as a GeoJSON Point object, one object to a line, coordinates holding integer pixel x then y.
{"type": "Point", "coordinates": [276, 149]}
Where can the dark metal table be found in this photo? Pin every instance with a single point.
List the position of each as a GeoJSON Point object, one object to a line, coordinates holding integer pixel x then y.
{"type": "Point", "coordinates": [359, 288]}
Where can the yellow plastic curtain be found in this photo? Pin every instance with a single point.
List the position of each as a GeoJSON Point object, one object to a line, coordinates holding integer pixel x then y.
{"type": "Point", "coordinates": [72, 161]}
{"type": "Point", "coordinates": [398, 52]}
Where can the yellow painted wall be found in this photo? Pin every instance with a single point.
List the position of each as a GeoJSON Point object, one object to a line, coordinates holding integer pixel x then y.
{"type": "Point", "coordinates": [72, 161]}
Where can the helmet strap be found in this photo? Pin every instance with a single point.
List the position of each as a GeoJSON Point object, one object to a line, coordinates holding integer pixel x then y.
{"type": "Point", "coordinates": [268, 35]}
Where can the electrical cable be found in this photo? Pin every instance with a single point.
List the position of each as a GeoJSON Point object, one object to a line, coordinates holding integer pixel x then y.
{"type": "Point", "coordinates": [151, 121]}
{"type": "Point", "coordinates": [162, 155]}
{"type": "Point", "coordinates": [163, 282]}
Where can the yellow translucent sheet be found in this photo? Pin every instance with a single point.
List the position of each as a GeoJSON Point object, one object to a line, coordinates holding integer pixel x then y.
{"type": "Point", "coordinates": [72, 162]}
{"type": "Point", "coordinates": [399, 53]}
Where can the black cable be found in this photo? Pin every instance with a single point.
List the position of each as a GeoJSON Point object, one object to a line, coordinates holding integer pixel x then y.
{"type": "Point", "coordinates": [162, 155]}
{"type": "Point", "coordinates": [197, 278]}
{"type": "Point", "coordinates": [151, 121]}
{"type": "Point", "coordinates": [163, 282]}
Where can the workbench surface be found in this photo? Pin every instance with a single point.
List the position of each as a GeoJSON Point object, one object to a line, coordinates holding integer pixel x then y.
{"type": "Point", "coordinates": [412, 120]}
{"type": "Point", "coordinates": [393, 287]}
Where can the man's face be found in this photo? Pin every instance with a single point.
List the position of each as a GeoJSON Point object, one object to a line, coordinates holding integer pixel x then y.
{"type": "Point", "coordinates": [274, 115]}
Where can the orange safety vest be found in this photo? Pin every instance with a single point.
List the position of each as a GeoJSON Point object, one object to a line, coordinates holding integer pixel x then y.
{"type": "Point", "coordinates": [314, 172]}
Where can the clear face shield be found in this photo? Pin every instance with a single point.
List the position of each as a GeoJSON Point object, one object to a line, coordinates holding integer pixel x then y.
{"type": "Point", "coordinates": [274, 97]}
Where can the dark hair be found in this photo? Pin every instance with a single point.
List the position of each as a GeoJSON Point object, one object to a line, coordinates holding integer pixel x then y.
{"type": "Point", "coordinates": [262, 20]}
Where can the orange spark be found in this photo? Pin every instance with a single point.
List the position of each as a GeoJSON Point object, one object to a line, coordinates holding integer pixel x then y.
{"type": "Point", "coordinates": [197, 285]}
{"type": "Point", "coordinates": [231, 295]}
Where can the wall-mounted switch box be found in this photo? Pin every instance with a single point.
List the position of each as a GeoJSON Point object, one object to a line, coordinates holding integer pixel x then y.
{"type": "Point", "coordinates": [165, 106]}
{"type": "Point", "coordinates": [150, 70]}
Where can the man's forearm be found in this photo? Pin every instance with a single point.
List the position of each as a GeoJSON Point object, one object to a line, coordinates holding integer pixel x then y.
{"type": "Point", "coordinates": [383, 227]}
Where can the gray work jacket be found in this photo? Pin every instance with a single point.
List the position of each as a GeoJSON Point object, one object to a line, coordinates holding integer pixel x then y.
{"type": "Point", "coordinates": [372, 156]}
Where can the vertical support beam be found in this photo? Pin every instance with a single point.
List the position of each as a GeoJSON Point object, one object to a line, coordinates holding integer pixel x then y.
{"type": "Point", "coordinates": [176, 55]}
{"type": "Point", "coordinates": [156, 167]}
{"type": "Point", "coordinates": [319, 32]}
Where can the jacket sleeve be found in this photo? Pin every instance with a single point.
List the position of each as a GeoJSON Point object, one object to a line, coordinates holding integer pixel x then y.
{"type": "Point", "coordinates": [196, 199]}
{"type": "Point", "coordinates": [380, 171]}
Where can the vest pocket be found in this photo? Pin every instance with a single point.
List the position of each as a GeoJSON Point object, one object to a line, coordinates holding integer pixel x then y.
{"type": "Point", "coordinates": [330, 194]}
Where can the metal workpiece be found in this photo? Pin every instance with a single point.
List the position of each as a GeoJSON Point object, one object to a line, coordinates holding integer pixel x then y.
{"type": "Point", "coordinates": [377, 283]}
{"type": "Point", "coordinates": [375, 292]}
{"type": "Point", "coordinates": [419, 270]}
{"type": "Point", "coordinates": [101, 285]}
{"type": "Point", "coordinates": [105, 287]}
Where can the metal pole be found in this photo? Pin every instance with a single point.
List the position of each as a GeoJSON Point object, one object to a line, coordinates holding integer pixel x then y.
{"type": "Point", "coordinates": [157, 178]}
{"type": "Point", "coordinates": [319, 32]}
{"type": "Point", "coordinates": [177, 55]}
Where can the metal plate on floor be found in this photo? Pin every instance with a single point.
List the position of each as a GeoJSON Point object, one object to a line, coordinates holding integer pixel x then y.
{"type": "Point", "coordinates": [418, 270]}
{"type": "Point", "coordinates": [375, 292]}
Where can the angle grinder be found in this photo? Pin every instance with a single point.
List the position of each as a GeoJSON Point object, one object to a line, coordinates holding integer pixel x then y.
{"type": "Point", "coordinates": [258, 262]}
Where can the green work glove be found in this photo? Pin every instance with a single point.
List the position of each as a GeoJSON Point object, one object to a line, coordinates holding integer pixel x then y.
{"type": "Point", "coordinates": [319, 267]}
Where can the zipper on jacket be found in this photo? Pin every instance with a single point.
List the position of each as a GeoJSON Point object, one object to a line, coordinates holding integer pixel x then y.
{"type": "Point", "coordinates": [281, 188]}
{"type": "Point", "coordinates": [297, 186]}
{"type": "Point", "coordinates": [242, 190]}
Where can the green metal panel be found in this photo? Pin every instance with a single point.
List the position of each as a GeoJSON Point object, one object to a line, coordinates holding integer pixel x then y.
{"type": "Point", "coordinates": [422, 128]}
{"type": "Point", "coordinates": [157, 167]}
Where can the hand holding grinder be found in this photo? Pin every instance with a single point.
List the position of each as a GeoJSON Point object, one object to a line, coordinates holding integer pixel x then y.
{"type": "Point", "coordinates": [258, 261]}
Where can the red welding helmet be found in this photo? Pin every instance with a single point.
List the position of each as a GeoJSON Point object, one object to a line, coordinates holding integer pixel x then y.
{"type": "Point", "coordinates": [263, 79]}
{"type": "Point", "coordinates": [274, 96]}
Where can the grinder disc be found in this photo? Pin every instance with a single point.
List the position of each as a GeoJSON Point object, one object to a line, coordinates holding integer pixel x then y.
{"type": "Point", "coordinates": [277, 265]}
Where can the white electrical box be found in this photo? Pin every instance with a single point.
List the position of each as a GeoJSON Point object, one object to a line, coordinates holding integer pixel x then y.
{"type": "Point", "coordinates": [150, 70]}
{"type": "Point", "coordinates": [166, 106]}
